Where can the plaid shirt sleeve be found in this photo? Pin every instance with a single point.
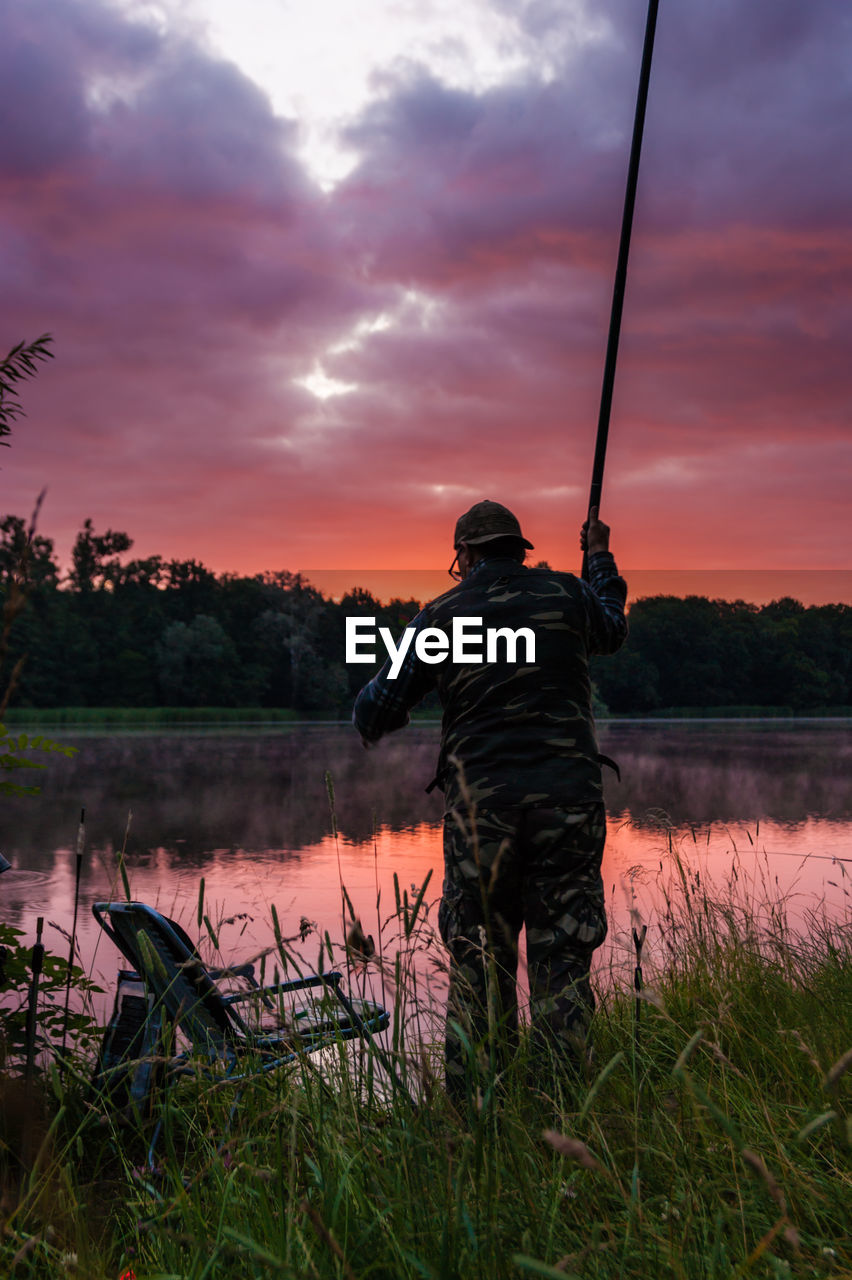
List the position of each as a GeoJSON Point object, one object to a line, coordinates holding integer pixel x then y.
{"type": "Point", "coordinates": [383, 704]}
{"type": "Point", "coordinates": [606, 594]}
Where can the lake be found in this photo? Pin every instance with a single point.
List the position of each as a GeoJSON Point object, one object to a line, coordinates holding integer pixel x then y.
{"type": "Point", "coordinates": [250, 813]}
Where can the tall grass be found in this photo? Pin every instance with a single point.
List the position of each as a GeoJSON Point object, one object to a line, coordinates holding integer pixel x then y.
{"type": "Point", "coordinates": [712, 1138]}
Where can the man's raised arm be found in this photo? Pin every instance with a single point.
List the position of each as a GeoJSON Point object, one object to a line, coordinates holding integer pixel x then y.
{"type": "Point", "coordinates": [606, 591]}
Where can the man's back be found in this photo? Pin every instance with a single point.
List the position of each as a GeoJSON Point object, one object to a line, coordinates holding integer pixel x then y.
{"type": "Point", "coordinates": [523, 730]}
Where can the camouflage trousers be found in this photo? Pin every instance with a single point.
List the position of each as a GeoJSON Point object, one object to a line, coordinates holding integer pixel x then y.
{"type": "Point", "coordinates": [504, 869]}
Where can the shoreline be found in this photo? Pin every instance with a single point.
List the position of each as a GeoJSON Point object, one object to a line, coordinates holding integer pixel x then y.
{"type": "Point", "coordinates": [110, 718]}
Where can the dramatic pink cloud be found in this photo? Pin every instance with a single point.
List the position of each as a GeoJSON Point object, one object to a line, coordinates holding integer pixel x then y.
{"type": "Point", "coordinates": [156, 217]}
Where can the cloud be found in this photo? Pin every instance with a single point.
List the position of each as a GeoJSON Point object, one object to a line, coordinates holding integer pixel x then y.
{"type": "Point", "coordinates": [172, 243]}
{"type": "Point", "coordinates": [156, 217]}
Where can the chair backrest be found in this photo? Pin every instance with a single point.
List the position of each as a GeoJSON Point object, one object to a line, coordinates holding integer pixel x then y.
{"type": "Point", "coordinates": [161, 952]}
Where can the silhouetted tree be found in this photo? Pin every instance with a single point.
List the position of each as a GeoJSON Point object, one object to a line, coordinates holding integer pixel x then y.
{"type": "Point", "coordinates": [95, 559]}
{"type": "Point", "coordinates": [197, 664]}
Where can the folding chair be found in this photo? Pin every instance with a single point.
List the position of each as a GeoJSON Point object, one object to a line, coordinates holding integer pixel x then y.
{"type": "Point", "coordinates": [170, 985]}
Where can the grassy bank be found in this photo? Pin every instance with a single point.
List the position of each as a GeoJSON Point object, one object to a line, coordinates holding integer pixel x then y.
{"type": "Point", "coordinates": [711, 1139]}
{"type": "Point", "coordinates": [142, 717]}
{"type": "Point", "coordinates": [146, 717]}
{"type": "Point", "coordinates": [751, 712]}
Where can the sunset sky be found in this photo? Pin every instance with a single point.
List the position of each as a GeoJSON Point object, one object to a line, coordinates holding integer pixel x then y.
{"type": "Point", "coordinates": [321, 275]}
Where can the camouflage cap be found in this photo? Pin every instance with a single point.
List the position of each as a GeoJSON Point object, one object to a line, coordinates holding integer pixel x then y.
{"type": "Point", "coordinates": [486, 521]}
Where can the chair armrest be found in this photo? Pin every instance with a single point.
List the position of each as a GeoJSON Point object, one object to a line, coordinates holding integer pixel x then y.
{"type": "Point", "coordinates": [234, 971]}
{"type": "Point", "coordinates": [325, 981]}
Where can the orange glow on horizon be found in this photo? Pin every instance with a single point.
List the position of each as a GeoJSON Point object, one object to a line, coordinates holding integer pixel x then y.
{"type": "Point", "coordinates": [755, 586]}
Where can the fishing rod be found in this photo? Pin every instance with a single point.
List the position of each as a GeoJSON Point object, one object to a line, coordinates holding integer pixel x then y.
{"type": "Point", "coordinates": [621, 269]}
{"type": "Point", "coordinates": [81, 839]}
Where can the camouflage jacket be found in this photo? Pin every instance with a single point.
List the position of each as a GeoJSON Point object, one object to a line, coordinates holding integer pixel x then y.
{"type": "Point", "coordinates": [522, 731]}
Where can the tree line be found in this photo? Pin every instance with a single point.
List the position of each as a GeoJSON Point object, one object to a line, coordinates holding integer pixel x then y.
{"type": "Point", "coordinates": [706, 654]}
{"type": "Point", "coordinates": [117, 631]}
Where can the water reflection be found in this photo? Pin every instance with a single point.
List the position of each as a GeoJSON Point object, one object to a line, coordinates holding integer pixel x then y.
{"type": "Point", "coordinates": [701, 772]}
{"type": "Point", "coordinates": [197, 792]}
{"type": "Point", "coordinates": [250, 813]}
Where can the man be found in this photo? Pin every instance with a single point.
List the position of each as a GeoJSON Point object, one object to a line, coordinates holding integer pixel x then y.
{"type": "Point", "coordinates": [524, 822]}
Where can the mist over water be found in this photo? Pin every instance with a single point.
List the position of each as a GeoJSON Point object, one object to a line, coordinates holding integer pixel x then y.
{"type": "Point", "coordinates": [729, 771]}
{"type": "Point", "coordinates": [249, 811]}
